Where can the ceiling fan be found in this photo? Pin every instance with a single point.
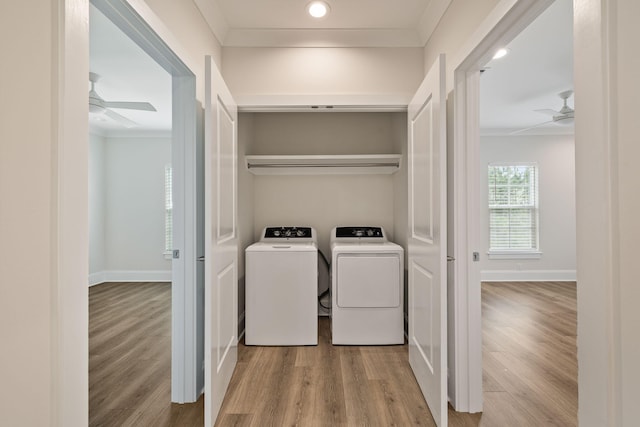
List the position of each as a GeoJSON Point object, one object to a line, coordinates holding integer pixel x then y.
{"type": "Point", "coordinates": [564, 116]}
{"type": "Point", "coordinates": [99, 106]}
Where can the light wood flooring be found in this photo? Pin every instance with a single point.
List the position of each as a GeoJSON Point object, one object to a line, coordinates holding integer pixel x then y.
{"type": "Point", "coordinates": [529, 351]}
{"type": "Point", "coordinates": [130, 358]}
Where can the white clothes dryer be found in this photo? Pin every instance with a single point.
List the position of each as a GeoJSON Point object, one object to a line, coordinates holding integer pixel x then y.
{"type": "Point", "coordinates": [281, 285]}
{"type": "Point", "coordinates": [367, 287]}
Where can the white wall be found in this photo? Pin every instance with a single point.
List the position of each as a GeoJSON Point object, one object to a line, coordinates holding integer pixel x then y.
{"type": "Point", "coordinates": [192, 38]}
{"type": "Point", "coordinates": [454, 30]}
{"type": "Point", "coordinates": [43, 213]}
{"type": "Point", "coordinates": [26, 212]}
{"type": "Point", "coordinates": [555, 156]}
{"type": "Point", "coordinates": [127, 175]}
{"type": "Point", "coordinates": [627, 91]}
{"type": "Point", "coordinates": [327, 71]}
{"type": "Point", "coordinates": [97, 208]}
{"type": "Point", "coordinates": [607, 128]}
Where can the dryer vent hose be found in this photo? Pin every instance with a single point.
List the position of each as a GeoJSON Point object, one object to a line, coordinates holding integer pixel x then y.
{"type": "Point", "coordinates": [327, 264]}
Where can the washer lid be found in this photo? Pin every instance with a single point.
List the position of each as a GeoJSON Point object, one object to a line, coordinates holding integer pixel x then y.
{"type": "Point", "coordinates": [283, 246]}
{"type": "Point", "coordinates": [364, 247]}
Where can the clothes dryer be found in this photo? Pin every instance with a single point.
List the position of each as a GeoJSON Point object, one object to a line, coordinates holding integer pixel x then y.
{"type": "Point", "coordinates": [281, 282]}
{"type": "Point", "coordinates": [367, 287]}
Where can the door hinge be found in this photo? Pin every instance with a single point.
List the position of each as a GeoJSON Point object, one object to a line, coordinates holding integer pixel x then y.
{"type": "Point", "coordinates": [176, 253]}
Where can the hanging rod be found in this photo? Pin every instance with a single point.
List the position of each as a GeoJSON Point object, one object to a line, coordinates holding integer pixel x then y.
{"type": "Point", "coordinates": [323, 164]}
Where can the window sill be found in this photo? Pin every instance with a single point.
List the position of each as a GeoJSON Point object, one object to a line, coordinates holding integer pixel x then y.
{"type": "Point", "coordinates": [514, 255]}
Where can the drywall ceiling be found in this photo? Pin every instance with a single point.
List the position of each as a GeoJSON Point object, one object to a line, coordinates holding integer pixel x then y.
{"type": "Point", "coordinates": [127, 73]}
{"type": "Point", "coordinates": [538, 67]}
{"type": "Point", "coordinates": [349, 23]}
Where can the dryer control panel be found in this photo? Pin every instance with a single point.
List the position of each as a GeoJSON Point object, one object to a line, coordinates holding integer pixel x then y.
{"type": "Point", "coordinates": [287, 233]}
{"type": "Point", "coordinates": [359, 232]}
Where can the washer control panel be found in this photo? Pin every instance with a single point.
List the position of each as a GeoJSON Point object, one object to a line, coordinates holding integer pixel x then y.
{"type": "Point", "coordinates": [287, 233]}
{"type": "Point", "coordinates": [359, 232]}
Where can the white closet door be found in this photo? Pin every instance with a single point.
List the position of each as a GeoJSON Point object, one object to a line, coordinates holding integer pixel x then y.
{"type": "Point", "coordinates": [221, 240]}
{"type": "Point", "coordinates": [427, 240]}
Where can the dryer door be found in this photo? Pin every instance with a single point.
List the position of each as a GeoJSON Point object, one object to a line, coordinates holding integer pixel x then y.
{"type": "Point", "coordinates": [368, 280]}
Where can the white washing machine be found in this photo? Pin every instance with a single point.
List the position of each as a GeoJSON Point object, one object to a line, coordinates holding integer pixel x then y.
{"type": "Point", "coordinates": [281, 285]}
{"type": "Point", "coordinates": [367, 275]}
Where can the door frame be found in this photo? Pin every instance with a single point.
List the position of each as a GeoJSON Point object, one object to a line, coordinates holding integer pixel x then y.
{"type": "Point", "coordinates": [139, 23]}
{"type": "Point", "coordinates": [503, 24]}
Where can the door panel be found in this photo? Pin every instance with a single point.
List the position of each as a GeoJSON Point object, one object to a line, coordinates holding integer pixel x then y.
{"type": "Point", "coordinates": [427, 240]}
{"type": "Point", "coordinates": [226, 172]}
{"type": "Point", "coordinates": [421, 154]}
{"type": "Point", "coordinates": [221, 242]}
{"type": "Point", "coordinates": [225, 313]}
{"type": "Point", "coordinates": [423, 336]}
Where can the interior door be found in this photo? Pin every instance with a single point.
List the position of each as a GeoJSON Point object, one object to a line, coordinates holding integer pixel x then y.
{"type": "Point", "coordinates": [221, 240]}
{"type": "Point", "coordinates": [427, 304]}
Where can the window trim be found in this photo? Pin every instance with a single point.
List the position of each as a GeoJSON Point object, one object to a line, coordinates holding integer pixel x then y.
{"type": "Point", "coordinates": [505, 253]}
{"type": "Point", "coordinates": [502, 254]}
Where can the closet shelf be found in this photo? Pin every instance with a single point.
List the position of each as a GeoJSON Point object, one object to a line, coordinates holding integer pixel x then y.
{"type": "Point", "coordinates": [358, 164]}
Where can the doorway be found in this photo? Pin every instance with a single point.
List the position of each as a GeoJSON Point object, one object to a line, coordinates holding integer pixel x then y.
{"type": "Point", "coordinates": [466, 327]}
{"type": "Point", "coordinates": [528, 221]}
{"type": "Point", "coordinates": [187, 329]}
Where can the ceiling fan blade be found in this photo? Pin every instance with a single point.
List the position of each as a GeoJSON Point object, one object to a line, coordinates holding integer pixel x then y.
{"type": "Point", "coordinates": [145, 106]}
{"type": "Point", "coordinates": [120, 119]}
{"type": "Point", "coordinates": [548, 112]}
{"type": "Point", "coordinates": [529, 128]}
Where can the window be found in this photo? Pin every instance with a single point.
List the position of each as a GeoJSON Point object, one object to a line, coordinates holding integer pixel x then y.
{"type": "Point", "coordinates": [513, 209]}
{"type": "Point", "coordinates": [168, 210]}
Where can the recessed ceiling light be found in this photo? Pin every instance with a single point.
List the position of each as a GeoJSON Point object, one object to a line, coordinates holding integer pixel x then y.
{"type": "Point", "coordinates": [318, 9]}
{"type": "Point", "coordinates": [500, 53]}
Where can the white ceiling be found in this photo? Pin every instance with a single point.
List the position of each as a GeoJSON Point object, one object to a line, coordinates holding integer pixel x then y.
{"type": "Point", "coordinates": [538, 67]}
{"type": "Point", "coordinates": [127, 73]}
{"type": "Point", "coordinates": [352, 22]}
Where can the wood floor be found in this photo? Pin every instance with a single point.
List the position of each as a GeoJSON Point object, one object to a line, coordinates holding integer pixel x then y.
{"type": "Point", "coordinates": [530, 368]}
{"type": "Point", "coordinates": [530, 371]}
{"type": "Point", "coordinates": [130, 358]}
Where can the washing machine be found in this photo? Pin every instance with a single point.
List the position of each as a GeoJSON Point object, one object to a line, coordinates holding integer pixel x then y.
{"type": "Point", "coordinates": [281, 283]}
{"type": "Point", "coordinates": [367, 275]}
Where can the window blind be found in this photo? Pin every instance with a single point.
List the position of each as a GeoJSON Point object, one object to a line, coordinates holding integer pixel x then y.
{"type": "Point", "coordinates": [168, 209]}
{"type": "Point", "coordinates": [513, 207]}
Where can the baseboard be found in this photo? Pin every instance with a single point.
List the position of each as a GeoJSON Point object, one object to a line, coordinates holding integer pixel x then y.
{"type": "Point", "coordinates": [97, 278]}
{"type": "Point", "coordinates": [130, 276]}
{"type": "Point", "coordinates": [528, 275]}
